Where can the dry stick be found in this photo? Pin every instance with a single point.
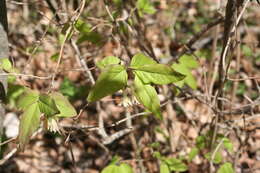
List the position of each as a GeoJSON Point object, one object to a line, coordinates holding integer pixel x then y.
{"type": "Point", "coordinates": [238, 57]}
{"type": "Point", "coordinates": [82, 62]}
{"type": "Point", "coordinates": [229, 26]}
{"type": "Point", "coordinates": [197, 36]}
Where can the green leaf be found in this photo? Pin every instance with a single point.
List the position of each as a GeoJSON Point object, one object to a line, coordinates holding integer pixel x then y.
{"type": "Point", "coordinates": [217, 159]}
{"type": "Point", "coordinates": [125, 168]}
{"type": "Point", "coordinates": [55, 56]}
{"type": "Point", "coordinates": [47, 105]}
{"type": "Point", "coordinates": [189, 61]}
{"type": "Point", "coordinates": [111, 169]}
{"type": "Point", "coordinates": [63, 105]}
{"type": "Point", "coordinates": [201, 142]}
{"type": "Point", "coordinates": [68, 88]}
{"type": "Point", "coordinates": [193, 153]}
{"type": "Point", "coordinates": [176, 165]}
{"type": "Point", "coordinates": [146, 94]}
{"type": "Point", "coordinates": [226, 168]}
{"type": "Point", "coordinates": [109, 60]}
{"type": "Point", "coordinates": [164, 168]}
{"type": "Point", "coordinates": [13, 94]}
{"type": "Point", "coordinates": [140, 60]}
{"type": "Point", "coordinates": [112, 79]}
{"type": "Point", "coordinates": [82, 27]}
{"type": "Point", "coordinates": [5, 64]}
{"type": "Point", "coordinates": [92, 37]}
{"type": "Point", "coordinates": [158, 74]}
{"type": "Point", "coordinates": [29, 123]}
{"type": "Point", "coordinates": [189, 79]}
{"type": "Point", "coordinates": [185, 65]}
{"type": "Point", "coordinates": [145, 6]}
{"type": "Point", "coordinates": [28, 98]}
{"type": "Point", "coordinates": [228, 144]}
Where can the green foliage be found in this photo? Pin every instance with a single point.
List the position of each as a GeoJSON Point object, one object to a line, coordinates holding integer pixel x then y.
{"type": "Point", "coordinates": [147, 71]}
{"type": "Point", "coordinates": [152, 73]}
{"type": "Point", "coordinates": [185, 65]}
{"type": "Point", "coordinates": [52, 106]}
{"type": "Point", "coordinates": [13, 93]}
{"type": "Point", "coordinates": [228, 144]}
{"type": "Point", "coordinates": [176, 165]}
{"type": "Point", "coordinates": [217, 158]}
{"type": "Point", "coordinates": [193, 153]}
{"type": "Point", "coordinates": [115, 167]}
{"type": "Point", "coordinates": [111, 79]}
{"type": "Point", "coordinates": [68, 88]}
{"type": "Point", "coordinates": [63, 105]}
{"type": "Point", "coordinates": [226, 168]}
{"type": "Point", "coordinates": [5, 64]}
{"type": "Point", "coordinates": [30, 122]}
{"type": "Point", "coordinates": [109, 60]}
{"type": "Point", "coordinates": [172, 164]}
{"type": "Point", "coordinates": [47, 105]}
{"type": "Point", "coordinates": [145, 6]}
{"type": "Point", "coordinates": [164, 168]}
{"type": "Point", "coordinates": [146, 94]}
{"type": "Point", "coordinates": [86, 33]}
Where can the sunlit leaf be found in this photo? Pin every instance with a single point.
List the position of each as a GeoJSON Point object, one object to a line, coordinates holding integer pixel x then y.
{"type": "Point", "coordinates": [112, 79]}
{"type": "Point", "coordinates": [193, 153]}
{"type": "Point", "coordinates": [47, 105]}
{"type": "Point", "coordinates": [176, 165]}
{"type": "Point", "coordinates": [111, 169]}
{"type": "Point", "coordinates": [158, 74]}
{"type": "Point", "coordinates": [164, 168]}
{"type": "Point", "coordinates": [140, 60]}
{"type": "Point", "coordinates": [226, 168]}
{"type": "Point", "coordinates": [29, 123]}
{"type": "Point", "coordinates": [63, 105]}
{"type": "Point", "coordinates": [146, 94]}
{"type": "Point", "coordinates": [109, 60]}
{"type": "Point", "coordinates": [125, 168]}
{"type": "Point", "coordinates": [145, 6]}
{"type": "Point", "coordinates": [217, 159]}
{"type": "Point", "coordinates": [28, 98]}
{"type": "Point", "coordinates": [5, 64]}
{"type": "Point", "coordinates": [185, 65]}
{"type": "Point", "coordinates": [228, 144]}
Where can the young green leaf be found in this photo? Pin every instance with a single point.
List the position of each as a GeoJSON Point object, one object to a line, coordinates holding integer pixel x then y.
{"type": "Point", "coordinates": [111, 169]}
{"type": "Point", "coordinates": [146, 94]}
{"type": "Point", "coordinates": [28, 98]}
{"type": "Point", "coordinates": [5, 64]}
{"type": "Point", "coordinates": [176, 165]}
{"type": "Point", "coordinates": [112, 79]}
{"type": "Point", "coordinates": [82, 27]}
{"type": "Point", "coordinates": [30, 122]}
{"type": "Point", "coordinates": [226, 168]}
{"type": "Point", "coordinates": [164, 168]}
{"type": "Point", "coordinates": [217, 159]}
{"type": "Point", "coordinates": [185, 65]}
{"type": "Point", "coordinates": [125, 168]}
{"type": "Point", "coordinates": [228, 144]}
{"type": "Point", "coordinates": [109, 60]}
{"type": "Point", "coordinates": [145, 6]}
{"type": "Point", "coordinates": [189, 61]}
{"type": "Point", "coordinates": [63, 105]}
{"type": "Point", "coordinates": [140, 60]}
{"type": "Point", "coordinates": [47, 105]}
{"type": "Point", "coordinates": [158, 74]}
{"type": "Point", "coordinates": [193, 153]}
